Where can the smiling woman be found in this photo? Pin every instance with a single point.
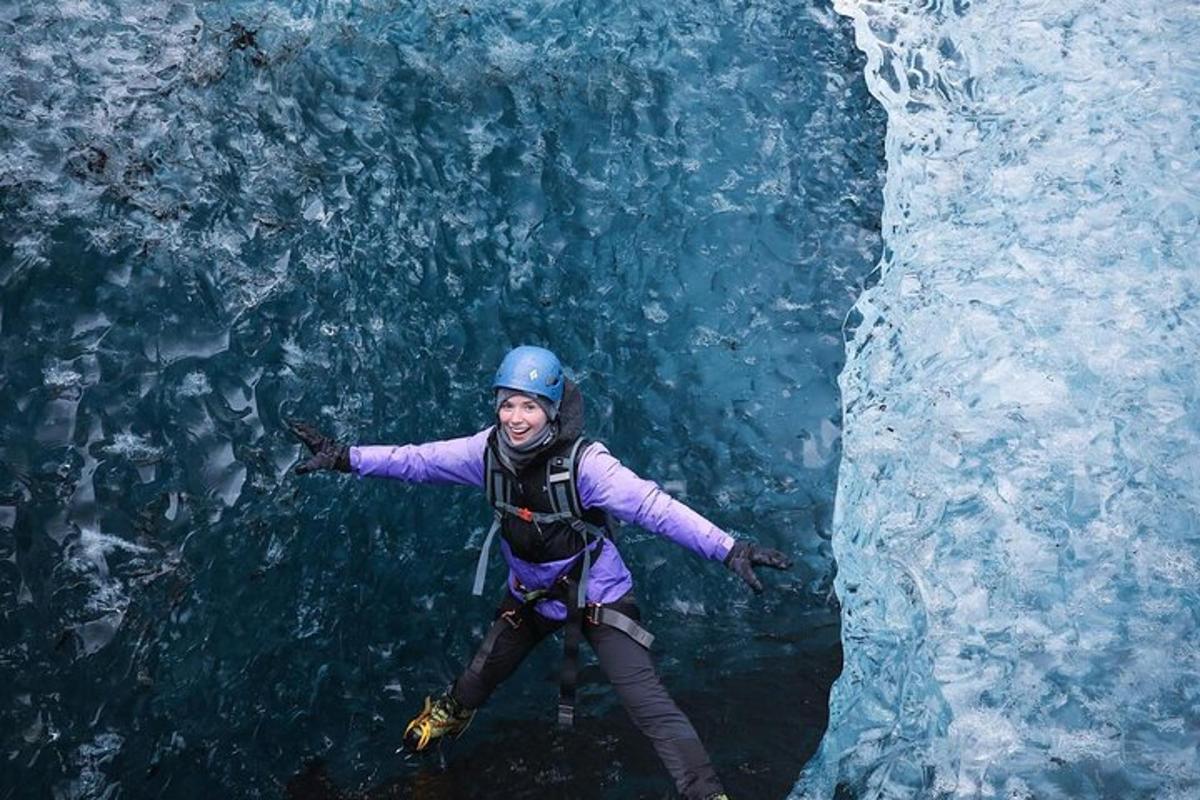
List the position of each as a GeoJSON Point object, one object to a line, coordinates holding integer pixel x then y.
{"type": "Point", "coordinates": [529, 391]}
{"type": "Point", "coordinates": [522, 420]}
{"type": "Point", "coordinates": [554, 494]}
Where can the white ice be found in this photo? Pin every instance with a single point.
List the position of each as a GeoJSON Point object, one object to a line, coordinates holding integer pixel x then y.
{"type": "Point", "coordinates": [1016, 525]}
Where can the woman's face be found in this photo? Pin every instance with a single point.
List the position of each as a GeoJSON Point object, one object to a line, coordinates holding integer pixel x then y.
{"type": "Point", "coordinates": [521, 417]}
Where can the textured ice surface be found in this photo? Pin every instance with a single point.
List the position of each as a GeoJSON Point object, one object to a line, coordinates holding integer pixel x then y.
{"type": "Point", "coordinates": [1016, 521]}
{"type": "Point", "coordinates": [216, 214]}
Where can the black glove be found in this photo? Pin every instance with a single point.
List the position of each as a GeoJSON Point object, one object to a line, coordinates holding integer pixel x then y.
{"type": "Point", "coordinates": [326, 453]}
{"type": "Point", "coordinates": [746, 555]}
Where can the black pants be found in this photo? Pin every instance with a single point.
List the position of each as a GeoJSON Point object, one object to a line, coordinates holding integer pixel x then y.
{"type": "Point", "coordinates": [631, 672]}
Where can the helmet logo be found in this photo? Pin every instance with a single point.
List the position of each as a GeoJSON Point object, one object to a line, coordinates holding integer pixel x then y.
{"type": "Point", "coordinates": [533, 374]}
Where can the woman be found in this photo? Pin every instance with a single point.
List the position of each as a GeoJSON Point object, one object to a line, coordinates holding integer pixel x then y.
{"type": "Point", "coordinates": [552, 492]}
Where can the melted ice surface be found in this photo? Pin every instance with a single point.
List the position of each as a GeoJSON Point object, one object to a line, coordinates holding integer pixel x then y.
{"type": "Point", "coordinates": [1016, 523]}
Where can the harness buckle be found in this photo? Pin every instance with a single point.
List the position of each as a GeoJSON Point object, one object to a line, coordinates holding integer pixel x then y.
{"type": "Point", "coordinates": [529, 598]}
{"type": "Point", "coordinates": [525, 514]}
{"type": "Point", "coordinates": [592, 613]}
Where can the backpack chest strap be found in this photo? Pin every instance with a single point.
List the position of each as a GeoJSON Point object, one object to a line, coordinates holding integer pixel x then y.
{"type": "Point", "coordinates": [539, 517]}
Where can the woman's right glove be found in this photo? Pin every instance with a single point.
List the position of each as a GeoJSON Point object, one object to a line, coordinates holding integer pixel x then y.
{"type": "Point", "coordinates": [326, 453]}
{"type": "Point", "coordinates": [744, 556]}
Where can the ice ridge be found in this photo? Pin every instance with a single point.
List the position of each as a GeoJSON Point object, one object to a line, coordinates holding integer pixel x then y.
{"type": "Point", "coordinates": [1016, 522]}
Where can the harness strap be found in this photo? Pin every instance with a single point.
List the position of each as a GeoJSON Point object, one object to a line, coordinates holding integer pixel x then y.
{"type": "Point", "coordinates": [570, 664]}
{"type": "Point", "coordinates": [578, 613]}
{"type": "Point", "coordinates": [584, 574]}
{"type": "Point", "coordinates": [484, 552]}
{"type": "Point", "coordinates": [586, 529]}
{"type": "Point", "coordinates": [597, 615]}
{"type": "Point", "coordinates": [508, 619]}
{"type": "Point", "coordinates": [607, 615]}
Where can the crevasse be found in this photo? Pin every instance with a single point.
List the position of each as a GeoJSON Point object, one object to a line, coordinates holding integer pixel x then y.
{"type": "Point", "coordinates": [1016, 522]}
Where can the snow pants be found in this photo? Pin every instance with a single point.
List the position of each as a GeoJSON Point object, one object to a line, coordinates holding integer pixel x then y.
{"type": "Point", "coordinates": [631, 672]}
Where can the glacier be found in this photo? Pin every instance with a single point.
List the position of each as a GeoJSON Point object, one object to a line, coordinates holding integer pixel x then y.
{"type": "Point", "coordinates": [1016, 516]}
{"type": "Point", "coordinates": [215, 215]}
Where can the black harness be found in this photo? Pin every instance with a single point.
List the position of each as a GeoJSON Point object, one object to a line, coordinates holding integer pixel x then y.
{"type": "Point", "coordinates": [570, 587]}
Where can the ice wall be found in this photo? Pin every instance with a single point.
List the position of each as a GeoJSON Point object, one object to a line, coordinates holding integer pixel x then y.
{"type": "Point", "coordinates": [1016, 524]}
{"type": "Point", "coordinates": [214, 215]}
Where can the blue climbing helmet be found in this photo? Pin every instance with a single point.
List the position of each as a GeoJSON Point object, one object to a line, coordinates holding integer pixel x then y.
{"type": "Point", "coordinates": [531, 370]}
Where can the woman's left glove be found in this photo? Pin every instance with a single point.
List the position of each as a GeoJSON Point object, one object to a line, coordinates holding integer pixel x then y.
{"type": "Point", "coordinates": [744, 556]}
{"type": "Point", "coordinates": [326, 453]}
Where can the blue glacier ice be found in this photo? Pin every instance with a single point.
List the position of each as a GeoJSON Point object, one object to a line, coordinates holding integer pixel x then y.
{"type": "Point", "coordinates": [1016, 519]}
{"type": "Point", "coordinates": [215, 214]}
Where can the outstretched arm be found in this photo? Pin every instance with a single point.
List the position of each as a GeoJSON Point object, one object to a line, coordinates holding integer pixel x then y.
{"type": "Point", "coordinates": [604, 482]}
{"type": "Point", "coordinates": [447, 461]}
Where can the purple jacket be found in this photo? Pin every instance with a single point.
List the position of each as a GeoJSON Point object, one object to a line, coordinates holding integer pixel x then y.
{"type": "Point", "coordinates": [603, 483]}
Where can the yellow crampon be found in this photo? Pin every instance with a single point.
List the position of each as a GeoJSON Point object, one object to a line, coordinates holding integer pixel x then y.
{"type": "Point", "coordinates": [441, 717]}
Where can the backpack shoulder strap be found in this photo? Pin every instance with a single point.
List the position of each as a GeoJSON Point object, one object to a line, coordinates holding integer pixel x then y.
{"type": "Point", "coordinates": [496, 480]}
{"type": "Point", "coordinates": [499, 490]}
{"type": "Point", "coordinates": [560, 480]}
